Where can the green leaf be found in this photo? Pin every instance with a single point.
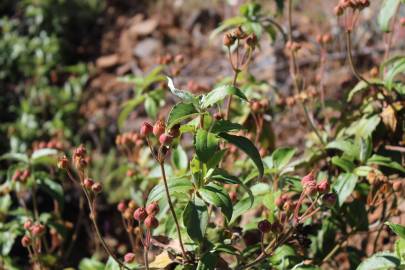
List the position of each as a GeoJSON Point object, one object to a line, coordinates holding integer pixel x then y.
{"type": "Point", "coordinates": [225, 126]}
{"type": "Point", "coordinates": [344, 186]}
{"type": "Point", "coordinates": [361, 86]}
{"type": "Point", "coordinates": [15, 156]}
{"type": "Point", "coordinates": [195, 219]}
{"type": "Point", "coordinates": [112, 264]}
{"type": "Point", "coordinates": [400, 248]}
{"type": "Point", "coordinates": [344, 145]}
{"type": "Point", "coordinates": [176, 185]}
{"type": "Point", "coordinates": [91, 264]}
{"type": "Point", "coordinates": [387, 11]}
{"type": "Point", "coordinates": [396, 67]}
{"type": "Point", "coordinates": [182, 94]}
{"type": "Point", "coordinates": [216, 159]}
{"type": "Point", "coordinates": [246, 146]}
{"type": "Point", "coordinates": [380, 261]}
{"type": "Point", "coordinates": [345, 164]}
{"type": "Point", "coordinates": [364, 127]}
{"type": "Point", "coordinates": [207, 262]}
{"type": "Point", "coordinates": [181, 111]}
{"type": "Point", "coordinates": [282, 255]}
{"type": "Point", "coordinates": [366, 148]}
{"type": "Point", "coordinates": [151, 107]}
{"type": "Point", "coordinates": [53, 189]}
{"type": "Point", "coordinates": [397, 228]}
{"type": "Point", "coordinates": [224, 177]}
{"type": "Point", "coordinates": [44, 156]}
{"type": "Point", "coordinates": [385, 162]}
{"type": "Point", "coordinates": [219, 94]}
{"type": "Point", "coordinates": [179, 158]}
{"type": "Point", "coordinates": [218, 197]}
{"type": "Point", "coordinates": [280, 158]}
{"type": "Point", "coordinates": [206, 144]}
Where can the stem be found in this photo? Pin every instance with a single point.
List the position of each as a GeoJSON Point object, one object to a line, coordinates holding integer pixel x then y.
{"type": "Point", "coordinates": [350, 56]}
{"type": "Point", "coordinates": [145, 256]}
{"type": "Point", "coordinates": [100, 237]}
{"type": "Point", "coordinates": [162, 168]}
{"type": "Point", "coordinates": [235, 76]}
{"type": "Point", "coordinates": [294, 74]}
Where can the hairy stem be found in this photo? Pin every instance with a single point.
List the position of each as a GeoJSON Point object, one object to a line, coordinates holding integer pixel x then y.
{"type": "Point", "coordinates": [162, 168]}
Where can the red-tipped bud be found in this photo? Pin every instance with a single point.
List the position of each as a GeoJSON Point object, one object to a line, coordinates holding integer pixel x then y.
{"type": "Point", "coordinates": [28, 224]}
{"type": "Point", "coordinates": [25, 174]}
{"type": "Point", "coordinates": [88, 183]}
{"type": "Point", "coordinates": [97, 187]}
{"type": "Point", "coordinates": [264, 226]}
{"type": "Point", "coordinates": [151, 222]}
{"type": "Point", "coordinates": [37, 229]}
{"type": "Point", "coordinates": [146, 129]}
{"type": "Point", "coordinates": [140, 214]}
{"type": "Point", "coordinates": [323, 186]}
{"type": "Point", "coordinates": [16, 175]}
{"type": "Point", "coordinates": [121, 207]}
{"type": "Point", "coordinates": [129, 257]}
{"type": "Point", "coordinates": [159, 128]}
{"type": "Point", "coordinates": [165, 139]}
{"type": "Point", "coordinates": [25, 241]}
{"type": "Point", "coordinates": [153, 208]}
{"type": "Point", "coordinates": [63, 162]}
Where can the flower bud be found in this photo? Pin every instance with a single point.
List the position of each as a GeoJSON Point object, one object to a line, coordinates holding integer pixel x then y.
{"type": "Point", "coordinates": [151, 222]}
{"type": "Point", "coordinates": [140, 214]}
{"type": "Point", "coordinates": [25, 241]}
{"type": "Point", "coordinates": [323, 186]}
{"type": "Point", "coordinates": [16, 175]}
{"type": "Point", "coordinates": [63, 162]}
{"type": "Point", "coordinates": [127, 214]}
{"type": "Point", "coordinates": [251, 40]}
{"type": "Point", "coordinates": [153, 208]}
{"type": "Point", "coordinates": [218, 116]}
{"type": "Point", "coordinates": [255, 106]}
{"type": "Point", "coordinates": [146, 129]}
{"type": "Point", "coordinates": [264, 226]}
{"type": "Point", "coordinates": [25, 174]}
{"type": "Point", "coordinates": [97, 187]}
{"type": "Point", "coordinates": [129, 257]}
{"type": "Point", "coordinates": [228, 40]}
{"type": "Point", "coordinates": [329, 199]}
{"type": "Point", "coordinates": [165, 139]}
{"type": "Point", "coordinates": [159, 128]}
{"type": "Point", "coordinates": [233, 196]}
{"type": "Point", "coordinates": [88, 183]}
{"type": "Point", "coordinates": [28, 224]}
{"type": "Point", "coordinates": [132, 205]}
{"type": "Point", "coordinates": [280, 202]}
{"type": "Point", "coordinates": [121, 207]}
{"type": "Point", "coordinates": [397, 186]}
{"type": "Point", "coordinates": [37, 229]}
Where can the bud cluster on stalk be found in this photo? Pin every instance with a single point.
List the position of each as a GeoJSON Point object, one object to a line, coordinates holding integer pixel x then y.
{"type": "Point", "coordinates": [21, 176]}
{"type": "Point", "coordinates": [33, 231]}
{"type": "Point", "coordinates": [238, 34]}
{"type": "Point", "coordinates": [343, 5]}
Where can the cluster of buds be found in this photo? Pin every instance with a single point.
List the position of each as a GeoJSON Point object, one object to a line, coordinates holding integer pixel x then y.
{"type": "Point", "coordinates": [232, 191]}
{"type": "Point", "coordinates": [53, 143]}
{"type": "Point", "coordinates": [176, 62]}
{"type": "Point", "coordinates": [165, 137]}
{"type": "Point", "coordinates": [293, 46]}
{"type": "Point", "coordinates": [259, 106]}
{"type": "Point", "coordinates": [92, 185]}
{"type": "Point", "coordinates": [147, 215]}
{"type": "Point", "coordinates": [265, 226]}
{"type": "Point", "coordinates": [129, 139]}
{"type": "Point", "coordinates": [324, 39]}
{"type": "Point", "coordinates": [80, 158]}
{"type": "Point", "coordinates": [33, 231]}
{"type": "Point", "coordinates": [303, 96]}
{"type": "Point", "coordinates": [238, 34]}
{"type": "Point", "coordinates": [127, 209]}
{"type": "Point", "coordinates": [21, 176]}
{"type": "Point", "coordinates": [343, 5]}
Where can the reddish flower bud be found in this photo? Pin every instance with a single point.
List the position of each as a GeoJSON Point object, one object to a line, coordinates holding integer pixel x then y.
{"type": "Point", "coordinates": [121, 207]}
{"type": "Point", "coordinates": [146, 129]}
{"type": "Point", "coordinates": [308, 181]}
{"type": "Point", "coordinates": [159, 128]}
{"type": "Point", "coordinates": [28, 224]}
{"type": "Point", "coordinates": [397, 186]}
{"type": "Point", "coordinates": [97, 187]}
{"type": "Point", "coordinates": [218, 116]}
{"type": "Point", "coordinates": [329, 199]}
{"type": "Point", "coordinates": [16, 175]}
{"type": "Point", "coordinates": [255, 106]}
{"type": "Point", "coordinates": [25, 174]}
{"type": "Point", "coordinates": [140, 214]}
{"type": "Point", "coordinates": [63, 162]}
{"type": "Point", "coordinates": [233, 196]}
{"type": "Point", "coordinates": [130, 173]}
{"type": "Point", "coordinates": [151, 222]}
{"type": "Point", "coordinates": [25, 241]}
{"type": "Point", "coordinates": [129, 257]}
{"type": "Point", "coordinates": [264, 226]}
{"type": "Point", "coordinates": [323, 186]}
{"type": "Point", "coordinates": [153, 208]}
{"type": "Point", "coordinates": [88, 183]}
{"type": "Point", "coordinates": [37, 229]}
{"type": "Point", "coordinates": [165, 139]}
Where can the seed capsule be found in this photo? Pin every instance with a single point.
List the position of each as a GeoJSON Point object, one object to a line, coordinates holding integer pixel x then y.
{"type": "Point", "coordinates": [153, 208]}
{"type": "Point", "coordinates": [146, 129]}
{"type": "Point", "coordinates": [159, 128]}
{"type": "Point", "coordinates": [151, 222]}
{"type": "Point", "coordinates": [140, 214]}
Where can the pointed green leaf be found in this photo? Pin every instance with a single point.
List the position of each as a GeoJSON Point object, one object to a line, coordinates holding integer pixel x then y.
{"type": "Point", "coordinates": [219, 94]}
{"type": "Point", "coordinates": [181, 111]}
{"type": "Point", "coordinates": [218, 197]}
{"type": "Point", "coordinates": [206, 144]}
{"type": "Point", "coordinates": [195, 219]}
